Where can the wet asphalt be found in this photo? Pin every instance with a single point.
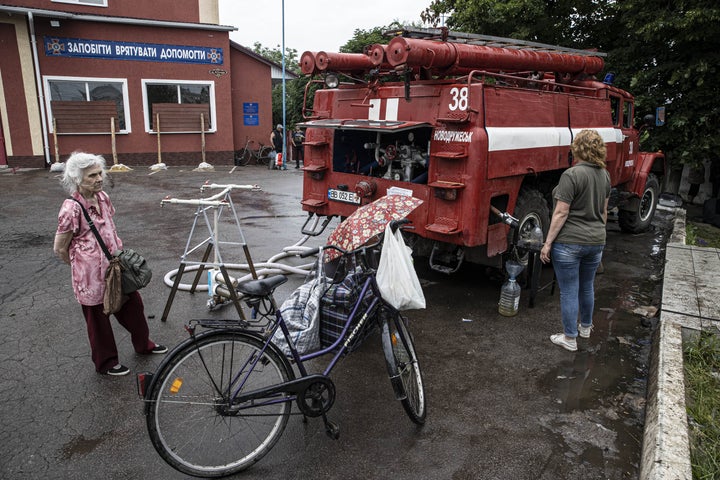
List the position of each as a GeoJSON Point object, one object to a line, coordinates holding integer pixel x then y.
{"type": "Point", "coordinates": [503, 402]}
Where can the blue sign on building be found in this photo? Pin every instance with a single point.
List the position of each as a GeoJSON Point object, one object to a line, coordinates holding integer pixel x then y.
{"type": "Point", "coordinates": [250, 108]}
{"type": "Point", "coordinates": [251, 120]}
{"type": "Point", "coordinates": [146, 52]}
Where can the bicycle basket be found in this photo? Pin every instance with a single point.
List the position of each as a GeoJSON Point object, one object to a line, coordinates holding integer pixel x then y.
{"type": "Point", "coordinates": [337, 304]}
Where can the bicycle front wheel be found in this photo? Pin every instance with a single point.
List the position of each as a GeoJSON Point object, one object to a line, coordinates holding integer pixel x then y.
{"type": "Point", "coordinates": [403, 368]}
{"type": "Point", "coordinates": [192, 420]}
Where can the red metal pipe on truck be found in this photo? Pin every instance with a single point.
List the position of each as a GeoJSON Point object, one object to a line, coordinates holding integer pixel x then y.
{"type": "Point", "coordinates": [442, 55]}
{"type": "Point", "coordinates": [343, 61]}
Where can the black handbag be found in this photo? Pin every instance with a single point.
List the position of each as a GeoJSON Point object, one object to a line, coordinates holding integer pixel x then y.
{"type": "Point", "coordinates": [136, 273]}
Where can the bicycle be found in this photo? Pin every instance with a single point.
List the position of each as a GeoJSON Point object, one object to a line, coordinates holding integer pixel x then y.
{"type": "Point", "coordinates": [221, 399]}
{"type": "Point", "coordinates": [261, 155]}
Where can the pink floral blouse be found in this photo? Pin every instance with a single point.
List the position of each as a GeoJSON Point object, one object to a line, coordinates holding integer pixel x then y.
{"type": "Point", "coordinates": [87, 260]}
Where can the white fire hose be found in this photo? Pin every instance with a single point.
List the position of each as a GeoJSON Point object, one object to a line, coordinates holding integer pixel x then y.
{"type": "Point", "coordinates": [263, 269]}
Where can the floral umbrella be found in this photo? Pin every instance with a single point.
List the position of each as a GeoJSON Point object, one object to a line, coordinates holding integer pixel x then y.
{"type": "Point", "coordinates": [369, 220]}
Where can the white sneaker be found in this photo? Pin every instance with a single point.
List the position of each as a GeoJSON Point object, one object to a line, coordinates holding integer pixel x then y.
{"type": "Point", "coordinates": [584, 331]}
{"type": "Point", "coordinates": [560, 340]}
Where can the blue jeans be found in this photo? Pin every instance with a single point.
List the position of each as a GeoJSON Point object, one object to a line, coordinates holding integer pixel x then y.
{"type": "Point", "coordinates": [575, 267]}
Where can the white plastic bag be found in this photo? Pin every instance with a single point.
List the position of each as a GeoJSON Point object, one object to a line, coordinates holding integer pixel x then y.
{"type": "Point", "coordinates": [396, 277]}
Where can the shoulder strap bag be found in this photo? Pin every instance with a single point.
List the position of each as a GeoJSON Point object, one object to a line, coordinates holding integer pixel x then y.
{"type": "Point", "coordinates": [136, 273]}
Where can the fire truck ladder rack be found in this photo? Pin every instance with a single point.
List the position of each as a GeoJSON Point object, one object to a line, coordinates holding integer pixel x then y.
{"type": "Point", "coordinates": [445, 35]}
{"type": "Point", "coordinates": [215, 204]}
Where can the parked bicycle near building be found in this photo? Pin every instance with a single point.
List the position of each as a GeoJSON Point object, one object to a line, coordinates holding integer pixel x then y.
{"type": "Point", "coordinates": [221, 399]}
{"type": "Point", "coordinates": [259, 155]}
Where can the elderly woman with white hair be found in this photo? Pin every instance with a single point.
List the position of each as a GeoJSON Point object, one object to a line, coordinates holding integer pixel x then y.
{"type": "Point", "coordinates": [77, 246]}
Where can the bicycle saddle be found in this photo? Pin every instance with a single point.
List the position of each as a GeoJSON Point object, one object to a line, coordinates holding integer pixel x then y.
{"type": "Point", "coordinates": [261, 287]}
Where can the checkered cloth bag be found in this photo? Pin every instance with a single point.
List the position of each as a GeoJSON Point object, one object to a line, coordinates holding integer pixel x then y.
{"type": "Point", "coordinates": [337, 304]}
{"type": "Point", "coordinates": [300, 313]}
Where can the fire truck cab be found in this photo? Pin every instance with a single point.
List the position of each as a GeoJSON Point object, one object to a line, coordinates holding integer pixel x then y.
{"type": "Point", "coordinates": [470, 124]}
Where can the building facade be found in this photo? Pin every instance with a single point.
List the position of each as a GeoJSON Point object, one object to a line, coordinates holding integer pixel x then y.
{"type": "Point", "coordinates": [141, 82]}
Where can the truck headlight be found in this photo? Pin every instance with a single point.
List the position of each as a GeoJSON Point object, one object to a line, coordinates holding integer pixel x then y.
{"type": "Point", "coordinates": [332, 80]}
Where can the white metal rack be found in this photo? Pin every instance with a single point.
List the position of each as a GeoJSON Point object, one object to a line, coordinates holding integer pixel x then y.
{"type": "Point", "coordinates": [209, 212]}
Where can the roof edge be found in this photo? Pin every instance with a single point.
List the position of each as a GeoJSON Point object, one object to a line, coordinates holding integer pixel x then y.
{"type": "Point", "coordinates": [110, 19]}
{"type": "Point", "coordinates": [260, 58]}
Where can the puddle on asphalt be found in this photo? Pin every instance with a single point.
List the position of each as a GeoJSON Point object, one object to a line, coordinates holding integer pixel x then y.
{"type": "Point", "coordinates": [600, 391]}
{"type": "Point", "coordinates": [82, 446]}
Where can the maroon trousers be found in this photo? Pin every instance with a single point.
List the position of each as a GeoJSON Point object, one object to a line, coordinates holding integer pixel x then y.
{"type": "Point", "coordinates": [102, 341]}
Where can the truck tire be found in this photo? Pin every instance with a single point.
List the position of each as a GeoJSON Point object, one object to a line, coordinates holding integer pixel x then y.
{"type": "Point", "coordinates": [637, 219]}
{"type": "Point", "coordinates": [530, 208]}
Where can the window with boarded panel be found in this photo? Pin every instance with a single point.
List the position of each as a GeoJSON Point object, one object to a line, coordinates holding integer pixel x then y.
{"type": "Point", "coordinates": [180, 117]}
{"type": "Point", "coordinates": [84, 117]}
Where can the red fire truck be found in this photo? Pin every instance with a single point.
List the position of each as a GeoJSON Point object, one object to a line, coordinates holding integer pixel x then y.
{"type": "Point", "coordinates": [472, 125]}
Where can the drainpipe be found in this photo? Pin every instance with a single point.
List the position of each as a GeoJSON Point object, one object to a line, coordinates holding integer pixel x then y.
{"type": "Point", "coordinates": [38, 85]}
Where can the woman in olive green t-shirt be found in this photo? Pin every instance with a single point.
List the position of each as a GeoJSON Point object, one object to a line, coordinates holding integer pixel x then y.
{"type": "Point", "coordinates": [576, 236]}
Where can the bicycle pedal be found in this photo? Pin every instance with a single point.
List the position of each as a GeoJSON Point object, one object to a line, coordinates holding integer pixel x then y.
{"type": "Point", "coordinates": [332, 429]}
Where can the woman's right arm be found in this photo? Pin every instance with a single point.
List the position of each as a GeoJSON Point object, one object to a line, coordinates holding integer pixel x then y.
{"type": "Point", "coordinates": [559, 216]}
{"type": "Point", "coordinates": [62, 245]}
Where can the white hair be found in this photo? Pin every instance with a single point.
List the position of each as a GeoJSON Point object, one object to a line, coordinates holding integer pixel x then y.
{"type": "Point", "coordinates": [75, 167]}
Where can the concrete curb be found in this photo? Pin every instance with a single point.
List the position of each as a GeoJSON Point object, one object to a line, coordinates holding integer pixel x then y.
{"type": "Point", "coordinates": [666, 446]}
{"type": "Point", "coordinates": [687, 283]}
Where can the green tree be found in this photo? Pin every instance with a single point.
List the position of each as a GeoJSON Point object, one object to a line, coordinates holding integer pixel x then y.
{"type": "Point", "coordinates": [294, 89]}
{"type": "Point", "coordinates": [665, 53]}
{"type": "Point", "coordinates": [570, 23]}
{"type": "Point", "coordinates": [275, 55]}
{"type": "Point", "coordinates": [362, 38]}
{"type": "Point", "coordinates": [673, 58]}
{"type": "Point", "coordinates": [294, 96]}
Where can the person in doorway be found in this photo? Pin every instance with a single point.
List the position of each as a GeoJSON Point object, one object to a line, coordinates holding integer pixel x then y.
{"type": "Point", "coordinates": [696, 177]}
{"type": "Point", "coordinates": [715, 177]}
{"type": "Point", "coordinates": [298, 137]}
{"type": "Point", "coordinates": [76, 245]}
{"type": "Point", "coordinates": [277, 139]}
{"type": "Point", "coordinates": [576, 237]}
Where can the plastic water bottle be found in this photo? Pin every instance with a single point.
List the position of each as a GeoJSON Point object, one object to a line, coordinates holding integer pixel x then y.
{"type": "Point", "coordinates": [510, 291]}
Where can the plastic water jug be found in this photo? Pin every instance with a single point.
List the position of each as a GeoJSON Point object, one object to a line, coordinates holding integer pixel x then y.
{"type": "Point", "coordinates": [510, 292]}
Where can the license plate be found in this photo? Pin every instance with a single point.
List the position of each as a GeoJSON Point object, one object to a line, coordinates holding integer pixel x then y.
{"type": "Point", "coordinates": [343, 196]}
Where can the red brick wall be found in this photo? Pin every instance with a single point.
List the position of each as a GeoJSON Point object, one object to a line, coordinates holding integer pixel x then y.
{"type": "Point", "coordinates": [16, 103]}
{"type": "Point", "coordinates": [140, 141]}
{"type": "Point", "coordinates": [239, 79]}
{"type": "Point", "coordinates": [251, 82]}
{"type": "Point", "coordinates": [172, 10]}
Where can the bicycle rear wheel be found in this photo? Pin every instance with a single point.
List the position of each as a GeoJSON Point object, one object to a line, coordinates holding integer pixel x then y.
{"type": "Point", "coordinates": [191, 420]}
{"type": "Point", "coordinates": [403, 368]}
{"type": "Point", "coordinates": [243, 157]}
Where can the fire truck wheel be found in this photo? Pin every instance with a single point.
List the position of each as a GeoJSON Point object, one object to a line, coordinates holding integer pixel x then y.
{"type": "Point", "coordinates": [638, 217]}
{"type": "Point", "coordinates": [531, 209]}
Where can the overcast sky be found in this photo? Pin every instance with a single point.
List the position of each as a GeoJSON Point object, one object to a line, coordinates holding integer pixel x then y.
{"type": "Point", "coordinates": [312, 24]}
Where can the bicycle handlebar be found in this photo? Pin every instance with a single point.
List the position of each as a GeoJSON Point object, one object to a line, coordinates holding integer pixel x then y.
{"type": "Point", "coordinates": [315, 250]}
{"type": "Point", "coordinates": [308, 253]}
{"type": "Point", "coordinates": [395, 224]}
